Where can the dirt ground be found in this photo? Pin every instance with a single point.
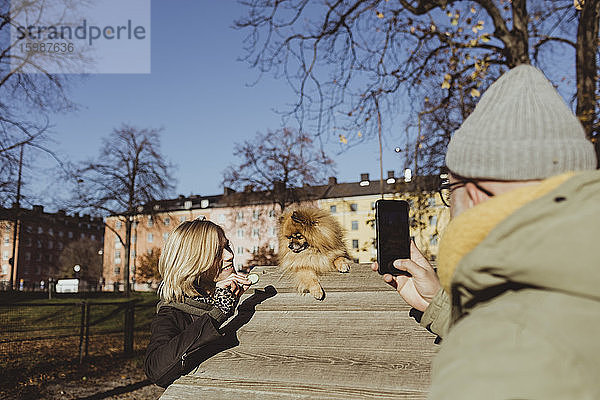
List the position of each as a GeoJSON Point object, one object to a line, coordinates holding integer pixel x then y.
{"type": "Point", "coordinates": [102, 378]}
{"type": "Point", "coordinates": [50, 369]}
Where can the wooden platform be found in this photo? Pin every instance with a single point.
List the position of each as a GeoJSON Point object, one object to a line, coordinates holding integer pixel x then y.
{"type": "Point", "coordinates": [359, 342]}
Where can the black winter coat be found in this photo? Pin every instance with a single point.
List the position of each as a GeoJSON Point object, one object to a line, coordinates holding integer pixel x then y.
{"type": "Point", "coordinates": [183, 335]}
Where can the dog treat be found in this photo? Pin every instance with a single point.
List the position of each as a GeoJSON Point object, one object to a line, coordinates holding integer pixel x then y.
{"type": "Point", "coordinates": [253, 278]}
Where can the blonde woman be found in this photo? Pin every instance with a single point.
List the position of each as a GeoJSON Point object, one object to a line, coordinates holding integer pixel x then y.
{"type": "Point", "coordinates": [199, 291]}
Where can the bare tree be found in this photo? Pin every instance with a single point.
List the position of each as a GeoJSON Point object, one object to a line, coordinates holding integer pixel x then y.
{"type": "Point", "coordinates": [29, 93]}
{"type": "Point", "coordinates": [83, 252]}
{"type": "Point", "coordinates": [129, 172]}
{"type": "Point", "coordinates": [348, 60]}
{"type": "Point", "coordinates": [147, 269]}
{"type": "Point", "coordinates": [276, 163]}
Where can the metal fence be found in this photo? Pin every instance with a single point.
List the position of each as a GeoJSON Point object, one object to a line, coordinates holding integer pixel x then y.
{"type": "Point", "coordinates": [45, 333]}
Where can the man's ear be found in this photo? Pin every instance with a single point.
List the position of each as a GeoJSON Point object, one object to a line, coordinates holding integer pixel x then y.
{"type": "Point", "coordinates": [476, 196]}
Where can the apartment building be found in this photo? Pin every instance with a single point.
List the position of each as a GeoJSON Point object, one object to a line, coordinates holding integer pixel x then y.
{"type": "Point", "coordinates": [40, 238]}
{"type": "Point", "coordinates": [249, 219]}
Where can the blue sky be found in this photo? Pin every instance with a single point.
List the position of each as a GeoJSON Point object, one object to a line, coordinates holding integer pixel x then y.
{"type": "Point", "coordinates": [198, 93]}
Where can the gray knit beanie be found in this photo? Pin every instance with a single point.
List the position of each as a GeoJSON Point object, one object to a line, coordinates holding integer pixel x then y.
{"type": "Point", "coordinates": [521, 129]}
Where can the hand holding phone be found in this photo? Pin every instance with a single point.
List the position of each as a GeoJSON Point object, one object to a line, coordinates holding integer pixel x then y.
{"type": "Point", "coordinates": [393, 235]}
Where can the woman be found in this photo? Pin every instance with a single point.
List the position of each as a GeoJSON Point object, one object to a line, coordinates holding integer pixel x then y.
{"type": "Point", "coordinates": [199, 291]}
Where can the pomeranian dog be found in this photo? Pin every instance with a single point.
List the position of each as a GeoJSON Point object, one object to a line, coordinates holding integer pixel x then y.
{"type": "Point", "coordinates": [311, 242]}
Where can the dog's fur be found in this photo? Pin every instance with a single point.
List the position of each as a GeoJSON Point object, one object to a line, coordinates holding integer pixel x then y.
{"type": "Point", "coordinates": [311, 242]}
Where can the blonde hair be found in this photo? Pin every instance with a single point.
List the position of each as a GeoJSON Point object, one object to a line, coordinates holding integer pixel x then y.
{"type": "Point", "coordinates": [190, 260]}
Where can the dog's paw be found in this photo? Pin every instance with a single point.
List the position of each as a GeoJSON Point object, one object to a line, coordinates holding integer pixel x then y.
{"type": "Point", "coordinates": [317, 292]}
{"type": "Point", "coordinates": [344, 268]}
{"type": "Point", "coordinates": [342, 264]}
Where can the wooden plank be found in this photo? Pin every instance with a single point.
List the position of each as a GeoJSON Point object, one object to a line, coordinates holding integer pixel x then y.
{"type": "Point", "coordinates": [239, 388]}
{"type": "Point", "coordinates": [360, 277]}
{"type": "Point", "coordinates": [386, 300]}
{"type": "Point", "coordinates": [360, 342]}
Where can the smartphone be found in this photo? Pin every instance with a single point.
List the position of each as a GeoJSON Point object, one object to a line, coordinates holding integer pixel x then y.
{"type": "Point", "coordinates": [393, 234]}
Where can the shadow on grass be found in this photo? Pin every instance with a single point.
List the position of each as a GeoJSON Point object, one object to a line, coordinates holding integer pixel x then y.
{"type": "Point", "coordinates": [118, 390]}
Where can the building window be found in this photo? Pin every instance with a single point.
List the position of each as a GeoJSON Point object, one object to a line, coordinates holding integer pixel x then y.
{"type": "Point", "coordinates": [273, 231]}
{"type": "Point", "coordinates": [150, 222]}
{"type": "Point", "coordinates": [221, 218]}
{"type": "Point", "coordinates": [181, 219]}
{"type": "Point", "coordinates": [240, 233]}
{"type": "Point", "coordinates": [133, 238]}
{"type": "Point", "coordinates": [28, 242]}
{"type": "Point", "coordinates": [187, 205]}
{"type": "Point", "coordinates": [82, 235]}
{"type": "Point", "coordinates": [5, 269]}
{"type": "Point", "coordinates": [255, 215]}
{"type": "Point", "coordinates": [117, 243]}
{"type": "Point", "coordinates": [353, 207]}
{"type": "Point", "coordinates": [271, 213]}
{"type": "Point", "coordinates": [150, 238]}
{"type": "Point", "coordinates": [165, 236]}
{"type": "Point", "coordinates": [255, 232]}
{"type": "Point", "coordinates": [355, 243]}
{"type": "Point", "coordinates": [59, 245]}
{"type": "Point", "coordinates": [354, 225]}
{"type": "Point", "coordinates": [272, 246]}
{"type": "Point", "coordinates": [50, 231]}
{"type": "Point", "coordinates": [7, 227]}
{"type": "Point", "coordinates": [50, 244]}
{"type": "Point", "coordinates": [372, 205]}
{"type": "Point", "coordinates": [133, 253]}
{"type": "Point", "coordinates": [240, 250]}
{"type": "Point", "coordinates": [70, 235]}
{"type": "Point", "coordinates": [431, 201]}
{"type": "Point", "coordinates": [117, 270]}
{"type": "Point", "coordinates": [433, 220]}
{"type": "Point", "coordinates": [27, 256]}
{"type": "Point", "coordinates": [118, 224]}
{"type": "Point", "coordinates": [332, 209]}
{"type": "Point", "coordinates": [167, 221]}
{"type": "Point", "coordinates": [50, 258]}
{"type": "Point", "coordinates": [38, 257]}
{"type": "Point", "coordinates": [93, 237]}
{"type": "Point", "coordinates": [39, 244]}
{"type": "Point", "coordinates": [28, 229]}
{"type": "Point", "coordinates": [5, 255]}
{"type": "Point", "coordinates": [40, 230]}
{"type": "Point", "coordinates": [6, 240]}
{"type": "Point", "coordinates": [239, 217]}
{"type": "Point", "coordinates": [60, 233]}
{"type": "Point", "coordinates": [254, 249]}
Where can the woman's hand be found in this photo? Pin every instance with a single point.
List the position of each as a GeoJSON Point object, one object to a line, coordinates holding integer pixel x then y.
{"type": "Point", "coordinates": [237, 284]}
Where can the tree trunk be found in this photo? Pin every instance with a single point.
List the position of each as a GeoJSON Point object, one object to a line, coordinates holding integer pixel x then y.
{"type": "Point", "coordinates": [586, 67]}
{"type": "Point", "coordinates": [128, 225]}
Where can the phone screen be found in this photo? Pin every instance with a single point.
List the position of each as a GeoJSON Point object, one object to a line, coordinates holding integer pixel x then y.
{"type": "Point", "coordinates": [393, 234]}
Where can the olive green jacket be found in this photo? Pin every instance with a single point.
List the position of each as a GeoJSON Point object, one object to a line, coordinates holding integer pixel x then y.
{"type": "Point", "coordinates": [525, 320]}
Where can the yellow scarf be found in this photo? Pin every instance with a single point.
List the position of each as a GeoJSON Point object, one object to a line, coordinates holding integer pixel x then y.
{"type": "Point", "coordinates": [467, 230]}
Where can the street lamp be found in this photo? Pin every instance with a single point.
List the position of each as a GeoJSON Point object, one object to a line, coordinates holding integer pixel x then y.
{"type": "Point", "coordinates": [77, 268]}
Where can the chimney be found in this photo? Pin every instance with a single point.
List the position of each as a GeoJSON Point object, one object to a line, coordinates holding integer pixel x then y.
{"type": "Point", "coordinates": [332, 180]}
{"type": "Point", "coordinates": [364, 180]}
{"type": "Point", "coordinates": [228, 191]}
{"type": "Point", "coordinates": [38, 209]}
{"type": "Point", "coordinates": [390, 178]}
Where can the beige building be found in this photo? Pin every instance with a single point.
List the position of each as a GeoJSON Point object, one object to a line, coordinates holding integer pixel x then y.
{"type": "Point", "coordinates": [249, 219]}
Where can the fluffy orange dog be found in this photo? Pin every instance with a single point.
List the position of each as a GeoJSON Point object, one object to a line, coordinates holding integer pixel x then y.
{"type": "Point", "coordinates": [310, 244]}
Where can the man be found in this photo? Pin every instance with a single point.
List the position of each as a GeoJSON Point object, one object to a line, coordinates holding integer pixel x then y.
{"type": "Point", "coordinates": [517, 301]}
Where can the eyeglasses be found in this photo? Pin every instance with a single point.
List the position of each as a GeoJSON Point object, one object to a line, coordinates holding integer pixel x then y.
{"type": "Point", "coordinates": [446, 189]}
